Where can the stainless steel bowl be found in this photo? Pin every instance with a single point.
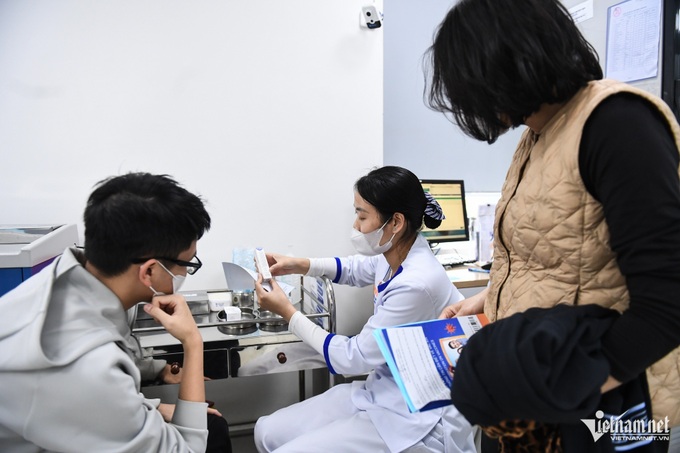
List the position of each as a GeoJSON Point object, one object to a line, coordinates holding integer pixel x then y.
{"type": "Point", "coordinates": [243, 299]}
{"type": "Point", "coordinates": [246, 325]}
{"type": "Point", "coordinates": [271, 322]}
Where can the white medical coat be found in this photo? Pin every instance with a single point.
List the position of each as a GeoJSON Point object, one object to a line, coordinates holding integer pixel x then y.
{"type": "Point", "coordinates": [418, 291]}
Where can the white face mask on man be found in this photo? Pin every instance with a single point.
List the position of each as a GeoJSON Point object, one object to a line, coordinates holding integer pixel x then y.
{"type": "Point", "coordinates": [177, 281]}
{"type": "Point", "coordinates": [369, 243]}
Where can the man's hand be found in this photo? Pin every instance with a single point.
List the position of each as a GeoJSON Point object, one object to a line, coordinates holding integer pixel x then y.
{"type": "Point", "coordinates": [173, 313]}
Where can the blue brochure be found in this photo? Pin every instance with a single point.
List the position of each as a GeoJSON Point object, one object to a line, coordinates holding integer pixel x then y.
{"type": "Point", "coordinates": [422, 357]}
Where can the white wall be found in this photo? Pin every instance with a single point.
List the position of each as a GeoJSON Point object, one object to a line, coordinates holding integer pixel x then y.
{"type": "Point", "coordinates": [425, 141]}
{"type": "Point", "coordinates": [268, 109]}
{"type": "Point", "coordinates": [415, 136]}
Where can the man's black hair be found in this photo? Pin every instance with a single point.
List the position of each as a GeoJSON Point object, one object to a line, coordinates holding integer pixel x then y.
{"type": "Point", "coordinates": [140, 215]}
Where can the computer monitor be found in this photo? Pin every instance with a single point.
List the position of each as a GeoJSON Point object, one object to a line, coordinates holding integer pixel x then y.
{"type": "Point", "coordinates": [450, 193]}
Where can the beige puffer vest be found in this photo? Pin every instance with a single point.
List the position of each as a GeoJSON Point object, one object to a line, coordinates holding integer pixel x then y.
{"type": "Point", "coordinates": [551, 240]}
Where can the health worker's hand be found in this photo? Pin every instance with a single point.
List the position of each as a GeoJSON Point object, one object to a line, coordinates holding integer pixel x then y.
{"type": "Point", "coordinates": [274, 300]}
{"type": "Point", "coordinates": [285, 265]}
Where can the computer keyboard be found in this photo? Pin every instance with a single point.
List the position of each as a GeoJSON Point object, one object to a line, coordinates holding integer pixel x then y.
{"type": "Point", "coordinates": [453, 259]}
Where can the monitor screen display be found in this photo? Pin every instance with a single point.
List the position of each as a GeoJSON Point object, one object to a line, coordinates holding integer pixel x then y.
{"type": "Point", "coordinates": [450, 194]}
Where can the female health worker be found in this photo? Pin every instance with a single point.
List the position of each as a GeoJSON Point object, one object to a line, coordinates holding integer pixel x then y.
{"type": "Point", "coordinates": [409, 286]}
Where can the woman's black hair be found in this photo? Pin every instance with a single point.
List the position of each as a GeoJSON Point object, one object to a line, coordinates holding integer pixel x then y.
{"type": "Point", "coordinates": [392, 189]}
{"type": "Point", "coordinates": [140, 215]}
{"type": "Point", "coordinates": [494, 62]}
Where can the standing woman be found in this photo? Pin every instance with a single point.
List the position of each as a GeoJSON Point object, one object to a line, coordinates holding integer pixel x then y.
{"type": "Point", "coordinates": [590, 208]}
{"type": "Point", "coordinates": [409, 286]}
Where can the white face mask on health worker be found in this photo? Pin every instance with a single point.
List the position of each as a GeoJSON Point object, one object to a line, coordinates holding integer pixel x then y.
{"type": "Point", "coordinates": [177, 281]}
{"type": "Point", "coordinates": [369, 243]}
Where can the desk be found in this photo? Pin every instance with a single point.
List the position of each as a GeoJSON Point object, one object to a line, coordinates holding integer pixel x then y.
{"type": "Point", "coordinates": [462, 277]}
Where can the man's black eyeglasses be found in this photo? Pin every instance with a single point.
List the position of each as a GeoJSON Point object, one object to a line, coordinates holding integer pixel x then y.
{"type": "Point", "coordinates": [192, 266]}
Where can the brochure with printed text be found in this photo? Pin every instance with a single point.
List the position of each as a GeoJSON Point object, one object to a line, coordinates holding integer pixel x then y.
{"type": "Point", "coordinates": [422, 357]}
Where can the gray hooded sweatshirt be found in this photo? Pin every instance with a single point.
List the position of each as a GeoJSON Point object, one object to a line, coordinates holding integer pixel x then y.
{"type": "Point", "coordinates": [67, 380]}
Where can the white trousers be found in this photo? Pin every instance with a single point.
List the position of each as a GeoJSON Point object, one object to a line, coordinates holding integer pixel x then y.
{"type": "Point", "coordinates": [330, 423]}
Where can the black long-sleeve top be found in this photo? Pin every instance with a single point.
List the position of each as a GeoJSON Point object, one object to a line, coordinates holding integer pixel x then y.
{"type": "Point", "coordinates": [629, 162]}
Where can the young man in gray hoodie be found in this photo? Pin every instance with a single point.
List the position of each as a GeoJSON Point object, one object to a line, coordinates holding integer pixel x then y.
{"type": "Point", "coordinates": [68, 382]}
